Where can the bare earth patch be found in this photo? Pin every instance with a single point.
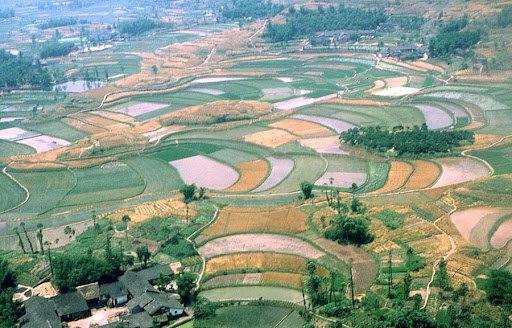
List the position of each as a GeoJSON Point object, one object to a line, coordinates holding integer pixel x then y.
{"type": "Point", "coordinates": [217, 79]}
{"type": "Point", "coordinates": [458, 170]}
{"type": "Point", "coordinates": [466, 220]}
{"type": "Point", "coordinates": [342, 179]}
{"type": "Point", "coordinates": [435, 117]}
{"type": "Point", "coordinates": [502, 235]}
{"type": "Point", "coordinates": [301, 128]}
{"type": "Point", "coordinates": [335, 124]}
{"type": "Point", "coordinates": [396, 92]}
{"type": "Point", "coordinates": [140, 108]}
{"type": "Point", "coordinates": [162, 132]}
{"type": "Point", "coordinates": [252, 174]}
{"type": "Point", "coordinates": [44, 143]}
{"type": "Point", "coordinates": [259, 242]}
{"type": "Point", "coordinates": [270, 138]}
{"type": "Point", "coordinates": [324, 145]}
{"type": "Point", "coordinates": [300, 102]}
{"type": "Point", "coordinates": [280, 168]}
{"type": "Point", "coordinates": [425, 174]}
{"type": "Point", "coordinates": [205, 172]}
{"type": "Point", "coordinates": [14, 134]}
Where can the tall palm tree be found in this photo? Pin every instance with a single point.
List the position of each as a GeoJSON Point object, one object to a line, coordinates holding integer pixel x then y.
{"type": "Point", "coordinates": [20, 241]}
{"type": "Point", "coordinates": [40, 236]}
{"type": "Point", "coordinates": [126, 219]}
{"type": "Point", "coordinates": [22, 224]}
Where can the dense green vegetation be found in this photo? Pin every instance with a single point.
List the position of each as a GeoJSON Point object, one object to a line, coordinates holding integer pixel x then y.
{"type": "Point", "coordinates": [136, 27]}
{"type": "Point", "coordinates": [7, 13]}
{"type": "Point", "coordinates": [505, 17]}
{"type": "Point", "coordinates": [58, 22]}
{"type": "Point", "coordinates": [56, 49]}
{"type": "Point", "coordinates": [305, 22]}
{"type": "Point", "coordinates": [451, 39]}
{"type": "Point", "coordinates": [239, 9]}
{"type": "Point", "coordinates": [402, 141]}
{"type": "Point", "coordinates": [16, 71]}
{"type": "Point", "coordinates": [8, 310]}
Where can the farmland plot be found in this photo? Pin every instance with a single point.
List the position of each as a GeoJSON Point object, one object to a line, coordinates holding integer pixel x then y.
{"type": "Point", "coordinates": [324, 145]}
{"type": "Point", "coordinates": [205, 172]}
{"type": "Point", "coordinates": [396, 92]}
{"type": "Point", "coordinates": [458, 170]}
{"type": "Point", "coordinates": [280, 168]}
{"type": "Point", "coordinates": [486, 103]}
{"type": "Point", "coordinates": [58, 129]}
{"type": "Point", "coordinates": [334, 124]}
{"type": "Point", "coordinates": [301, 128]}
{"type": "Point", "coordinates": [139, 109]}
{"type": "Point", "coordinates": [207, 91]}
{"type": "Point", "coordinates": [252, 174]}
{"type": "Point", "coordinates": [435, 117]}
{"type": "Point", "coordinates": [15, 134]}
{"type": "Point", "coordinates": [44, 143]}
{"type": "Point", "coordinates": [299, 102]}
{"type": "Point", "coordinates": [500, 158]}
{"type": "Point", "coordinates": [158, 175]}
{"type": "Point", "coordinates": [8, 148]}
{"type": "Point", "coordinates": [270, 138]}
{"type": "Point", "coordinates": [217, 79]}
{"type": "Point", "coordinates": [232, 156]}
{"type": "Point", "coordinates": [10, 193]}
{"type": "Point", "coordinates": [398, 175]}
{"type": "Point", "coordinates": [425, 174]}
{"type": "Point", "coordinates": [253, 293]}
{"type": "Point", "coordinates": [307, 168]}
{"type": "Point", "coordinates": [343, 171]}
{"type": "Point", "coordinates": [259, 242]}
{"type": "Point", "coordinates": [466, 220]}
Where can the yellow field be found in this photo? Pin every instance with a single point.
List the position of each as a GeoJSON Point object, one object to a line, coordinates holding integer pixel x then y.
{"type": "Point", "coordinates": [284, 278]}
{"type": "Point", "coordinates": [230, 220]}
{"type": "Point", "coordinates": [270, 138]}
{"type": "Point", "coordinates": [425, 174]}
{"type": "Point", "coordinates": [301, 128]}
{"type": "Point", "coordinates": [162, 208]}
{"type": "Point", "coordinates": [91, 129]}
{"type": "Point", "coordinates": [251, 175]}
{"type": "Point", "coordinates": [398, 175]}
{"type": "Point", "coordinates": [266, 261]}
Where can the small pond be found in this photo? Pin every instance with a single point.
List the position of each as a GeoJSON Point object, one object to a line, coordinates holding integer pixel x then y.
{"type": "Point", "coordinates": [78, 85]}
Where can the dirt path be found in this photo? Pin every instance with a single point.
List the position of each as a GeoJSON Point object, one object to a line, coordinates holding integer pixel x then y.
{"type": "Point", "coordinates": [257, 32]}
{"type": "Point", "coordinates": [453, 249]}
{"type": "Point", "coordinates": [210, 55]}
{"type": "Point", "coordinates": [4, 171]}
{"type": "Point", "coordinates": [491, 169]}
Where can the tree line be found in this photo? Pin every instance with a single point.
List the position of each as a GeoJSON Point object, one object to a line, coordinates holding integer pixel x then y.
{"type": "Point", "coordinates": [304, 22]}
{"type": "Point", "coordinates": [54, 48]}
{"type": "Point", "coordinates": [7, 13]}
{"type": "Point", "coordinates": [451, 38]}
{"type": "Point", "coordinates": [58, 22]}
{"type": "Point", "coordinates": [404, 141]}
{"type": "Point", "coordinates": [16, 71]}
{"type": "Point", "coordinates": [240, 9]}
{"type": "Point", "coordinates": [137, 27]}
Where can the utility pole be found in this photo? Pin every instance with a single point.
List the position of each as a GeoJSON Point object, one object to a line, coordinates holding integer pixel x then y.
{"type": "Point", "coordinates": [390, 274]}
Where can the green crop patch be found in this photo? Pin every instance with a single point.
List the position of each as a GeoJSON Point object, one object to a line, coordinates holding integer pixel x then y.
{"type": "Point", "coordinates": [8, 148]}
{"type": "Point", "coordinates": [56, 129]}
{"type": "Point", "coordinates": [11, 194]}
{"type": "Point", "coordinates": [500, 158]}
{"type": "Point", "coordinates": [159, 176]}
{"type": "Point", "coordinates": [391, 219]}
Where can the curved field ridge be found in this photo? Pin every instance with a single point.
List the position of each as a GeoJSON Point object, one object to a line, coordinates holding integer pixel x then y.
{"type": "Point", "coordinates": [342, 179]}
{"type": "Point", "coordinates": [252, 174]}
{"type": "Point", "coordinates": [217, 79]}
{"type": "Point", "coordinates": [337, 125]}
{"type": "Point", "coordinates": [324, 145]}
{"type": "Point", "coordinates": [398, 175]}
{"type": "Point", "coordinates": [247, 293]}
{"type": "Point", "coordinates": [140, 108]}
{"type": "Point", "coordinates": [484, 102]}
{"type": "Point", "coordinates": [205, 172]}
{"type": "Point", "coordinates": [280, 168]}
{"type": "Point", "coordinates": [364, 267]}
{"type": "Point", "coordinates": [302, 128]}
{"type": "Point", "coordinates": [396, 92]}
{"type": "Point", "coordinates": [502, 235]}
{"type": "Point", "coordinates": [458, 170]}
{"type": "Point", "coordinates": [425, 174]}
{"type": "Point", "coordinates": [259, 242]}
{"type": "Point", "coordinates": [435, 117]}
{"type": "Point", "coordinates": [270, 138]}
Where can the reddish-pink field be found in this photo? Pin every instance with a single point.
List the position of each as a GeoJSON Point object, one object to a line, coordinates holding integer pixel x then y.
{"type": "Point", "coordinates": [140, 108]}
{"type": "Point", "coordinates": [502, 235]}
{"type": "Point", "coordinates": [466, 220]}
{"type": "Point", "coordinates": [205, 172]}
{"type": "Point", "coordinates": [458, 170]}
{"type": "Point", "coordinates": [259, 242]}
{"type": "Point", "coordinates": [44, 143]}
{"type": "Point", "coordinates": [324, 145]}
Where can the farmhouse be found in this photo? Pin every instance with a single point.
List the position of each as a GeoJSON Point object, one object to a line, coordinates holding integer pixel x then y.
{"type": "Point", "coordinates": [90, 293]}
{"type": "Point", "coordinates": [40, 312]}
{"type": "Point", "coordinates": [408, 52]}
{"type": "Point", "coordinates": [71, 306]}
{"type": "Point", "coordinates": [155, 303]}
{"type": "Point", "coordinates": [113, 294]}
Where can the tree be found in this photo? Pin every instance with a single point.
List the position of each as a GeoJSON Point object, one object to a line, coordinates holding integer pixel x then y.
{"type": "Point", "coordinates": [186, 284]}
{"type": "Point", "coordinates": [154, 69]}
{"type": "Point", "coordinates": [348, 230]}
{"type": "Point", "coordinates": [20, 241]}
{"type": "Point", "coordinates": [307, 189]}
{"type": "Point", "coordinates": [40, 236]}
{"type": "Point", "coordinates": [442, 279]}
{"type": "Point", "coordinates": [126, 219]}
{"type": "Point", "coordinates": [22, 224]}
{"type": "Point", "coordinates": [143, 254]}
{"type": "Point", "coordinates": [188, 192]}
{"type": "Point", "coordinates": [9, 310]}
{"type": "Point", "coordinates": [499, 287]}
{"type": "Point", "coordinates": [204, 308]}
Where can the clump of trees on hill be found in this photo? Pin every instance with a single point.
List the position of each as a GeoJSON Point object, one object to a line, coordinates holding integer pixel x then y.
{"type": "Point", "coordinates": [7, 13]}
{"type": "Point", "coordinates": [137, 27]}
{"type": "Point", "coordinates": [239, 9]}
{"type": "Point", "coordinates": [53, 48]}
{"type": "Point", "coordinates": [451, 38]}
{"type": "Point", "coordinates": [304, 22]}
{"type": "Point", "coordinates": [505, 17]}
{"type": "Point", "coordinates": [16, 71]}
{"type": "Point", "coordinates": [415, 142]}
{"type": "Point", "coordinates": [8, 309]}
{"type": "Point", "coordinates": [58, 22]}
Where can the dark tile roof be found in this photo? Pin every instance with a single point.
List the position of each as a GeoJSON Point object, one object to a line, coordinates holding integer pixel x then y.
{"type": "Point", "coordinates": [135, 284]}
{"type": "Point", "coordinates": [152, 302]}
{"type": "Point", "coordinates": [89, 291]}
{"type": "Point", "coordinates": [140, 320]}
{"type": "Point", "coordinates": [40, 313]}
{"type": "Point", "coordinates": [69, 303]}
{"type": "Point", "coordinates": [113, 290]}
{"type": "Point", "coordinates": [153, 272]}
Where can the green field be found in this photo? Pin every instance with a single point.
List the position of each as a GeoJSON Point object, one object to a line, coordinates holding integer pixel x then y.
{"type": "Point", "coordinates": [500, 158]}
{"type": "Point", "coordinates": [253, 293]}
{"type": "Point", "coordinates": [307, 168]}
{"type": "Point", "coordinates": [104, 183]}
{"type": "Point", "coordinates": [10, 193]}
{"type": "Point", "coordinates": [56, 129]}
{"type": "Point", "coordinates": [158, 175]}
{"type": "Point", "coordinates": [8, 148]}
{"type": "Point", "coordinates": [252, 316]}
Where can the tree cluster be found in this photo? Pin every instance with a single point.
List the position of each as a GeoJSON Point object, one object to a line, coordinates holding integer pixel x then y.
{"type": "Point", "coordinates": [407, 22]}
{"type": "Point", "coordinates": [349, 230]}
{"type": "Point", "coordinates": [136, 27]}
{"type": "Point", "coordinates": [16, 71]}
{"type": "Point", "coordinates": [7, 13]}
{"type": "Point", "coordinates": [499, 287]}
{"type": "Point", "coordinates": [305, 22]}
{"type": "Point", "coordinates": [504, 17]}
{"type": "Point", "coordinates": [451, 38]}
{"type": "Point", "coordinates": [54, 48]}
{"type": "Point", "coordinates": [402, 141]}
{"type": "Point", "coordinates": [58, 22]}
{"type": "Point", "coordinates": [8, 309]}
{"type": "Point", "coordinates": [241, 9]}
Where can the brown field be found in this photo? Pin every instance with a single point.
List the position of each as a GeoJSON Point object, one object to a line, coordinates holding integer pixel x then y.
{"type": "Point", "coordinates": [284, 278]}
{"type": "Point", "coordinates": [302, 128]}
{"type": "Point", "coordinates": [377, 85]}
{"type": "Point", "coordinates": [424, 175]}
{"type": "Point", "coordinates": [91, 129]}
{"type": "Point", "coordinates": [209, 113]}
{"type": "Point", "coordinates": [405, 65]}
{"type": "Point", "coordinates": [116, 117]}
{"type": "Point", "coordinates": [397, 177]}
{"type": "Point", "coordinates": [105, 63]}
{"type": "Point", "coordinates": [394, 82]}
{"type": "Point", "coordinates": [428, 66]}
{"type": "Point", "coordinates": [258, 260]}
{"type": "Point", "coordinates": [162, 208]}
{"type": "Point", "coordinates": [251, 175]}
{"type": "Point", "coordinates": [230, 220]}
{"type": "Point", "coordinates": [270, 138]}
{"type": "Point", "coordinates": [101, 121]}
{"type": "Point", "coordinates": [363, 102]}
